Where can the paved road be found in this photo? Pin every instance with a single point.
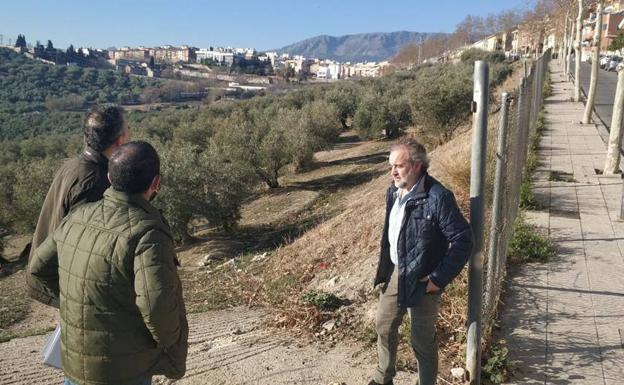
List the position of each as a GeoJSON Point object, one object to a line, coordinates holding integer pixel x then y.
{"type": "Point", "coordinates": [607, 82]}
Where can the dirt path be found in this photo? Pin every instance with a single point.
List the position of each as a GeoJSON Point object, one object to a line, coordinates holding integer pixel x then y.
{"type": "Point", "coordinates": [226, 347]}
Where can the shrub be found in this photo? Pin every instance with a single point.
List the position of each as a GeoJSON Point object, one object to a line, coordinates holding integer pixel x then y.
{"type": "Point", "coordinates": [471, 55]}
{"type": "Point", "coordinates": [374, 118]}
{"type": "Point", "coordinates": [497, 367]}
{"type": "Point", "coordinates": [199, 184]}
{"type": "Point", "coordinates": [321, 300]}
{"type": "Point", "coordinates": [22, 193]}
{"type": "Point", "coordinates": [498, 73]}
{"type": "Point", "coordinates": [441, 102]}
{"type": "Point", "coordinates": [527, 198]}
{"type": "Point", "coordinates": [528, 245]}
{"type": "Point", "coordinates": [345, 100]}
{"type": "Point", "coordinates": [65, 103]}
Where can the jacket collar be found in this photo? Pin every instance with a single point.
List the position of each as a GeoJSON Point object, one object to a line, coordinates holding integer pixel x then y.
{"type": "Point", "coordinates": [421, 190]}
{"type": "Point", "coordinates": [94, 156]}
{"type": "Point", "coordinates": [134, 199]}
{"type": "Point", "coordinates": [423, 187]}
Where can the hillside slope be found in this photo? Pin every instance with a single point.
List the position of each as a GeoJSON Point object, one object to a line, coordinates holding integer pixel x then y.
{"type": "Point", "coordinates": [357, 47]}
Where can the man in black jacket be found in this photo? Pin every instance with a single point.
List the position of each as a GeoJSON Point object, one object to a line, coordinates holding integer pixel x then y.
{"type": "Point", "coordinates": [425, 244]}
{"type": "Point", "coordinates": [79, 180]}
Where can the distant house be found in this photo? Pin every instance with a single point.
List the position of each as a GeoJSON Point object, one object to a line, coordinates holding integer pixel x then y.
{"type": "Point", "coordinates": [490, 43]}
{"type": "Point", "coordinates": [323, 72]}
{"type": "Point", "coordinates": [299, 64]}
{"type": "Point", "coordinates": [136, 67]}
{"type": "Point", "coordinates": [522, 42]}
{"type": "Point", "coordinates": [222, 56]}
{"type": "Point", "coordinates": [168, 54]}
{"type": "Point", "coordinates": [610, 28]}
{"type": "Point", "coordinates": [130, 54]}
{"type": "Point", "coordinates": [550, 39]}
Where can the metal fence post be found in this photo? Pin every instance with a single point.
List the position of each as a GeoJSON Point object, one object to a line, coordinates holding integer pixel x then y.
{"type": "Point", "coordinates": [525, 67]}
{"type": "Point", "coordinates": [496, 227]}
{"type": "Point", "coordinates": [477, 180]}
{"type": "Point", "coordinates": [536, 93]}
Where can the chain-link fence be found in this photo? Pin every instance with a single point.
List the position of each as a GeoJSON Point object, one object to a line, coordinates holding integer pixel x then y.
{"type": "Point", "coordinates": [518, 121]}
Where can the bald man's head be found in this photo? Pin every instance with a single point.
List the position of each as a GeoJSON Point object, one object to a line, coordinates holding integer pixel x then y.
{"type": "Point", "coordinates": [133, 167]}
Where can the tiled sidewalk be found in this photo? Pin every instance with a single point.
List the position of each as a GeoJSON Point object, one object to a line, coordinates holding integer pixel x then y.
{"type": "Point", "coordinates": [564, 320]}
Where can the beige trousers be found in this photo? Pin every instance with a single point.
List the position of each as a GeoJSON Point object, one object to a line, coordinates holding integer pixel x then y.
{"type": "Point", "coordinates": [423, 334]}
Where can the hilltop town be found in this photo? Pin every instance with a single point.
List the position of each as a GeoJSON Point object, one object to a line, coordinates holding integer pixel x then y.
{"type": "Point", "coordinates": [189, 61]}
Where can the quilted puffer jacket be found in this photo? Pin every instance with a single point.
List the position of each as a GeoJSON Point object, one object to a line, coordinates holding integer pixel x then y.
{"type": "Point", "coordinates": [123, 318]}
{"type": "Point", "coordinates": [434, 240]}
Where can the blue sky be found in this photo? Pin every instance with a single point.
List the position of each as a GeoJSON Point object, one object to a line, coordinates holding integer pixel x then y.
{"type": "Point", "coordinates": [241, 23]}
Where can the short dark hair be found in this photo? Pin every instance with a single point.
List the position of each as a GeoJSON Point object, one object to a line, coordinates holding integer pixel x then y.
{"type": "Point", "coordinates": [133, 166]}
{"type": "Point", "coordinates": [102, 125]}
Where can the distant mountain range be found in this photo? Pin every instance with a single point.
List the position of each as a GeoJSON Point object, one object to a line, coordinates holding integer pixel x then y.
{"type": "Point", "coordinates": [359, 47]}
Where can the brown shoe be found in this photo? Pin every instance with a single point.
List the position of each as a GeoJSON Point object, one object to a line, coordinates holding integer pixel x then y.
{"type": "Point", "coordinates": [373, 382]}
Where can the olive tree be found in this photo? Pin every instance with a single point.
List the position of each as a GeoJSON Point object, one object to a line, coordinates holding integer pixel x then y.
{"type": "Point", "coordinates": [441, 101]}
{"type": "Point", "coordinates": [197, 183]}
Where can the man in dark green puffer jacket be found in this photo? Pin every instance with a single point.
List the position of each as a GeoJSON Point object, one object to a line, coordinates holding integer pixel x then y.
{"type": "Point", "coordinates": [122, 312]}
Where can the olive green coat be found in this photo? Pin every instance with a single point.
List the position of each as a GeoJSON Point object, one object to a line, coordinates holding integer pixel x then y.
{"type": "Point", "coordinates": [112, 263]}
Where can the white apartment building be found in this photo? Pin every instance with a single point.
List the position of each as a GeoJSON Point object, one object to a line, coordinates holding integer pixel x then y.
{"type": "Point", "coordinates": [219, 55]}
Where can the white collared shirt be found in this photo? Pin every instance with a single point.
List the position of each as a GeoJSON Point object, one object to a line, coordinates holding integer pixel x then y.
{"type": "Point", "coordinates": [396, 220]}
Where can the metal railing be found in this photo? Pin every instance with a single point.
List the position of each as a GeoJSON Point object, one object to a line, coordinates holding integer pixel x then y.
{"type": "Point", "coordinates": [517, 123]}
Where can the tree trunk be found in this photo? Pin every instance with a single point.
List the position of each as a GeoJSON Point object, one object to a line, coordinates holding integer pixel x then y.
{"type": "Point", "coordinates": [570, 44]}
{"type": "Point", "coordinates": [577, 48]}
{"type": "Point", "coordinates": [593, 84]}
{"type": "Point", "coordinates": [612, 163]}
{"type": "Point", "coordinates": [564, 54]}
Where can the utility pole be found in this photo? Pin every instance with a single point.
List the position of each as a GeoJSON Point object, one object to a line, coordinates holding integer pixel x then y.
{"type": "Point", "coordinates": [477, 186]}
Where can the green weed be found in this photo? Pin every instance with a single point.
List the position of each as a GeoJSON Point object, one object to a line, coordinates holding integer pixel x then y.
{"type": "Point", "coordinates": [321, 300]}
{"type": "Point", "coordinates": [528, 245]}
{"type": "Point", "coordinates": [497, 368]}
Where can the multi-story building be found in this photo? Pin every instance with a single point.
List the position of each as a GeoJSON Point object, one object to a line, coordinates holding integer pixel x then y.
{"type": "Point", "coordinates": [299, 64]}
{"type": "Point", "coordinates": [220, 55]}
{"type": "Point", "coordinates": [130, 54]}
{"type": "Point", "coordinates": [168, 54]}
{"type": "Point", "coordinates": [610, 29]}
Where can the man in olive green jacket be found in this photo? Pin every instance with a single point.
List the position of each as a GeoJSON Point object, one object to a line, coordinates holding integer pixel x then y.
{"type": "Point", "coordinates": [112, 264]}
{"type": "Point", "coordinates": [79, 180]}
